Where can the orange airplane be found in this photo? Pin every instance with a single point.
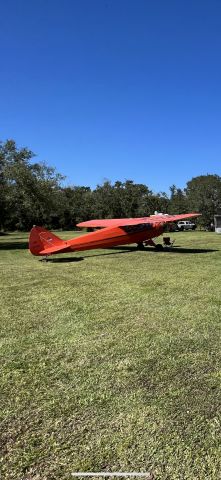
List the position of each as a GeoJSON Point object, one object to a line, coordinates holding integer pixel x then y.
{"type": "Point", "coordinates": [112, 232]}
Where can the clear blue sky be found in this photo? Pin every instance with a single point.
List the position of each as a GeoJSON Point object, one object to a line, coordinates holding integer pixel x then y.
{"type": "Point", "coordinates": [115, 89]}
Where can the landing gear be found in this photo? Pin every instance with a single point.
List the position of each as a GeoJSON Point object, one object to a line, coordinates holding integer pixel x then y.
{"type": "Point", "coordinates": [150, 242]}
{"type": "Point", "coordinates": [45, 259]}
{"type": "Point", "coordinates": [167, 242]}
{"type": "Point", "coordinates": [158, 246]}
{"type": "Point", "coordinates": [140, 246]}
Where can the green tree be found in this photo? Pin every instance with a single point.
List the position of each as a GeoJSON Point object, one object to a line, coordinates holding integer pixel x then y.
{"type": "Point", "coordinates": [178, 201]}
{"type": "Point", "coordinates": [204, 196]}
{"type": "Point", "coordinates": [136, 199]}
{"type": "Point", "coordinates": [123, 199]}
{"type": "Point", "coordinates": [157, 202]}
{"type": "Point", "coordinates": [31, 191]}
{"type": "Point", "coordinates": [77, 206]}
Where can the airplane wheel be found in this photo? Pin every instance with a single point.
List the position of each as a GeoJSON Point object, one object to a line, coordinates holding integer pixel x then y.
{"type": "Point", "coordinates": [140, 246]}
{"type": "Point", "coordinates": [159, 246]}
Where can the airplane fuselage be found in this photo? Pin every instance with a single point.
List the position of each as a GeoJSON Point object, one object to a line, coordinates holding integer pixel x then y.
{"type": "Point", "coordinates": [113, 236]}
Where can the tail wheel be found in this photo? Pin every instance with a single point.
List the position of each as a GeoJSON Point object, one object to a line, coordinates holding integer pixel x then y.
{"type": "Point", "coordinates": [140, 246]}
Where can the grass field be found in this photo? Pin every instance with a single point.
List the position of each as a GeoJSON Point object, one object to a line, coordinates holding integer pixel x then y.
{"type": "Point", "coordinates": [110, 360]}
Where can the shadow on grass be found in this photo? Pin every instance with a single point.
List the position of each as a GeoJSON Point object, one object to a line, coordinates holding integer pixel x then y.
{"type": "Point", "coordinates": [13, 245]}
{"type": "Point", "coordinates": [175, 249]}
{"type": "Point", "coordinates": [123, 249]}
{"type": "Point", "coordinates": [63, 260]}
{"type": "Point", "coordinates": [189, 250]}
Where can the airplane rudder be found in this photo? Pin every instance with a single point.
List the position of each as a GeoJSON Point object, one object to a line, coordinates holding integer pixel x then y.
{"type": "Point", "coordinates": [40, 239]}
{"type": "Point", "coordinates": [35, 243]}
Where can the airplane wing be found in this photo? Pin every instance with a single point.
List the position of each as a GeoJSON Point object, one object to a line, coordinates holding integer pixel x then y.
{"type": "Point", "coordinates": [112, 222]}
{"type": "Point", "coordinates": [172, 218]}
{"type": "Point", "coordinates": [121, 222]}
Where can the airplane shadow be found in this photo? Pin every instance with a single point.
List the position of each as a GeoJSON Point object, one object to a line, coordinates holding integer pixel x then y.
{"type": "Point", "coordinates": [62, 260]}
{"type": "Point", "coordinates": [174, 249]}
{"type": "Point", "coordinates": [188, 250]}
{"type": "Point", "coordinates": [123, 249]}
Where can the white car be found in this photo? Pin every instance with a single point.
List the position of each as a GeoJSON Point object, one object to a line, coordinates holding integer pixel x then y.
{"type": "Point", "coordinates": [185, 225]}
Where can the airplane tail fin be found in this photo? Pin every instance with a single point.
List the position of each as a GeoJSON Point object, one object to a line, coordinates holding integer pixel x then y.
{"type": "Point", "coordinates": [43, 242]}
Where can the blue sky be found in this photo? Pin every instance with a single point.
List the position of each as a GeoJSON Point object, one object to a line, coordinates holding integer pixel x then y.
{"type": "Point", "coordinates": [115, 89]}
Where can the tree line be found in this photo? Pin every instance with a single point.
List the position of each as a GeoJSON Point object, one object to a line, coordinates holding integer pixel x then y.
{"type": "Point", "coordinates": [33, 193]}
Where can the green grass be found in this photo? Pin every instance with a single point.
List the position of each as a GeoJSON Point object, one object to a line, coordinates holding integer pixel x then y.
{"type": "Point", "coordinates": [111, 362]}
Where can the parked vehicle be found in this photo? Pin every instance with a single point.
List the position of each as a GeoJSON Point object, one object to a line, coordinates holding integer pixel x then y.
{"type": "Point", "coordinates": [185, 225]}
